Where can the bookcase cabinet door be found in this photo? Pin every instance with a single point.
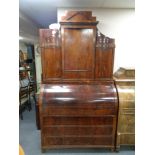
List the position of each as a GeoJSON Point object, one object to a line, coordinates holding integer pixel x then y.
{"type": "Point", "coordinates": [78, 53]}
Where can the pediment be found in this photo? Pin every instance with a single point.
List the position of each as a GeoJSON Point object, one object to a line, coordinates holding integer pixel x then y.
{"type": "Point", "coordinates": [78, 16]}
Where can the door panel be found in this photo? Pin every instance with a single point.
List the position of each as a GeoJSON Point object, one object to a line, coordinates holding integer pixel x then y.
{"type": "Point", "coordinates": [78, 53]}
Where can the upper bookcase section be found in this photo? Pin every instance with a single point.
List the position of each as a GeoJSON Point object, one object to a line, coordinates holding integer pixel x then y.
{"type": "Point", "coordinates": [77, 51]}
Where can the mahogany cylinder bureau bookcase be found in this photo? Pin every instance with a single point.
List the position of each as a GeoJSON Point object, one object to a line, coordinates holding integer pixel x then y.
{"type": "Point", "coordinates": [78, 102]}
{"type": "Point", "coordinates": [125, 83]}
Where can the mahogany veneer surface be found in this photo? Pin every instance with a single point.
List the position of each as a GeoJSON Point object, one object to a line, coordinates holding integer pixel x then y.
{"type": "Point", "coordinates": [78, 115]}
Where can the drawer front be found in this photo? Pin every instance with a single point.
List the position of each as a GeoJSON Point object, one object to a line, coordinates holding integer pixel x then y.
{"type": "Point", "coordinates": [126, 97]}
{"type": "Point", "coordinates": [51, 120]}
{"type": "Point", "coordinates": [81, 105]}
{"type": "Point", "coordinates": [98, 111]}
{"type": "Point", "coordinates": [127, 139]}
{"type": "Point", "coordinates": [52, 141]}
{"type": "Point", "coordinates": [126, 103]}
{"type": "Point", "coordinates": [71, 132]}
{"type": "Point", "coordinates": [77, 130]}
{"type": "Point", "coordinates": [127, 123]}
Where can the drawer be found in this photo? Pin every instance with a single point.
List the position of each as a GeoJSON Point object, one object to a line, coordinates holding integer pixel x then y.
{"type": "Point", "coordinates": [127, 111]}
{"type": "Point", "coordinates": [127, 123]}
{"type": "Point", "coordinates": [90, 105]}
{"type": "Point", "coordinates": [74, 130]}
{"type": "Point", "coordinates": [69, 111]}
{"type": "Point", "coordinates": [126, 97]}
{"type": "Point", "coordinates": [127, 139]}
{"type": "Point", "coordinates": [51, 120]}
{"type": "Point", "coordinates": [126, 103]}
{"type": "Point", "coordinates": [51, 141]}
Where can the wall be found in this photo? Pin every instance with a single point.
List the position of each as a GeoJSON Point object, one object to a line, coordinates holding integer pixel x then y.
{"type": "Point", "coordinates": [38, 65]}
{"type": "Point", "coordinates": [118, 24]}
{"type": "Point", "coordinates": [22, 46]}
{"type": "Point", "coordinates": [29, 31]}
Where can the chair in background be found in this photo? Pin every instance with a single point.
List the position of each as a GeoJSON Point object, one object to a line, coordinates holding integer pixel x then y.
{"type": "Point", "coordinates": [32, 87]}
{"type": "Point", "coordinates": [23, 100]}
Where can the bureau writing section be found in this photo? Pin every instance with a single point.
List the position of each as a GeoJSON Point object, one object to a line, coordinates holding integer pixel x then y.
{"type": "Point", "coordinates": [78, 115]}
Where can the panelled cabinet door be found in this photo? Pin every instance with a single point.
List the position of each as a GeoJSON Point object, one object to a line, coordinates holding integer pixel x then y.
{"type": "Point", "coordinates": [78, 53]}
{"type": "Point", "coordinates": [50, 54]}
{"type": "Point", "coordinates": [104, 63]}
{"type": "Point", "coordinates": [78, 29]}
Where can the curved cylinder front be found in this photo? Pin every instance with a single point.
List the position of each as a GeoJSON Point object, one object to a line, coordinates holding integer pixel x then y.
{"type": "Point", "coordinates": [78, 115]}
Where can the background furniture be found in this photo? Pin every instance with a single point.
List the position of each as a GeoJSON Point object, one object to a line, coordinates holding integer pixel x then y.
{"type": "Point", "coordinates": [23, 100]}
{"type": "Point", "coordinates": [26, 90]}
{"type": "Point", "coordinates": [78, 103]}
{"type": "Point", "coordinates": [125, 83]}
{"type": "Point", "coordinates": [37, 109]}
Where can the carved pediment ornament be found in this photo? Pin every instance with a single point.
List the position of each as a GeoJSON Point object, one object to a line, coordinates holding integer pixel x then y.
{"type": "Point", "coordinates": [104, 42]}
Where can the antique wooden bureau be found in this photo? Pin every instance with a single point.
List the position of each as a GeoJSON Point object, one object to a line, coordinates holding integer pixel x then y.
{"type": "Point", "coordinates": [78, 102]}
{"type": "Point", "coordinates": [125, 83]}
